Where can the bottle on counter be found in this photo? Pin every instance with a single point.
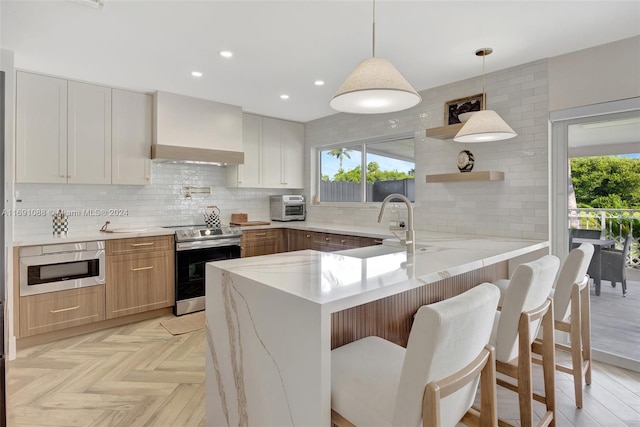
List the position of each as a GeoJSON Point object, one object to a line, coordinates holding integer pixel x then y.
{"type": "Point", "coordinates": [60, 224]}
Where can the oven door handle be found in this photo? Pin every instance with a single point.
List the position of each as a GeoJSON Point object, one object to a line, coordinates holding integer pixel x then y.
{"type": "Point", "coordinates": [205, 244]}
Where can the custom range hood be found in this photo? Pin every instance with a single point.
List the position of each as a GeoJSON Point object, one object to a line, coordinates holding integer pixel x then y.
{"type": "Point", "coordinates": [194, 130]}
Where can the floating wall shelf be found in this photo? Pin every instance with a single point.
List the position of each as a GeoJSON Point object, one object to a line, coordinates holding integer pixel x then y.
{"type": "Point", "coordinates": [467, 176]}
{"type": "Point", "coordinates": [444, 132]}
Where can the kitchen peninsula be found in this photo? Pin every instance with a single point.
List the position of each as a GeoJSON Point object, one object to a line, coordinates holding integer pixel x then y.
{"type": "Point", "coordinates": [273, 320]}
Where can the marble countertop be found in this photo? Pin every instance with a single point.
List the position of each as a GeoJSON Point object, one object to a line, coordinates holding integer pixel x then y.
{"type": "Point", "coordinates": [345, 279]}
{"type": "Point", "coordinates": [378, 233]}
{"type": "Point", "coordinates": [352, 230]}
{"type": "Point", "coordinates": [94, 235]}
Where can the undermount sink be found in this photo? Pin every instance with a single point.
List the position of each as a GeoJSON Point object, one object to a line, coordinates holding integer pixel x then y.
{"type": "Point", "coordinates": [127, 230]}
{"type": "Point", "coordinates": [384, 249]}
{"type": "Point", "coordinates": [370, 251]}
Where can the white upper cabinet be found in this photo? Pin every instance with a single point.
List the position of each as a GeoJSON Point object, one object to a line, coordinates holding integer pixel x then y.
{"type": "Point", "coordinates": [63, 131]}
{"type": "Point", "coordinates": [282, 154]}
{"type": "Point", "coordinates": [66, 133]}
{"type": "Point", "coordinates": [131, 137]}
{"type": "Point", "coordinates": [292, 154]}
{"type": "Point", "coordinates": [41, 129]}
{"type": "Point", "coordinates": [88, 134]}
{"type": "Point", "coordinates": [273, 154]}
{"type": "Point", "coordinates": [248, 175]}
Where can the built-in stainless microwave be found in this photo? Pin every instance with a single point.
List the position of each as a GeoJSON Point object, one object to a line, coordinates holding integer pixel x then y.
{"type": "Point", "coordinates": [51, 268]}
{"type": "Point", "coordinates": [288, 207]}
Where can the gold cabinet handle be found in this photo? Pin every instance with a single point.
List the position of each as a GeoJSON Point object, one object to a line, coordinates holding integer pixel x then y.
{"type": "Point", "coordinates": [142, 244]}
{"type": "Point", "coordinates": [64, 309]}
{"type": "Point", "coordinates": [342, 241]}
{"type": "Point", "coordinates": [308, 236]}
{"type": "Point", "coordinates": [261, 234]}
{"type": "Point", "coordinates": [142, 268]}
{"type": "Point", "coordinates": [326, 239]}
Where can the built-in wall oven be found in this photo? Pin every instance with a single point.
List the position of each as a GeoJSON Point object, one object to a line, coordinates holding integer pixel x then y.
{"type": "Point", "coordinates": [195, 246]}
{"type": "Point", "coordinates": [59, 267]}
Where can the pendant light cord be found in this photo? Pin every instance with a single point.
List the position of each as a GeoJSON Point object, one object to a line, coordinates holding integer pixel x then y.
{"type": "Point", "coordinates": [373, 47]}
{"type": "Point", "coordinates": [484, 95]}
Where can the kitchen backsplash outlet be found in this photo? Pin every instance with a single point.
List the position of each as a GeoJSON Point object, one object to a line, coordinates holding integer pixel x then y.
{"type": "Point", "coordinates": [161, 204]}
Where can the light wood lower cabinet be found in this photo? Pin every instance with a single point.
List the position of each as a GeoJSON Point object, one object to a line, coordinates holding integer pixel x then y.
{"type": "Point", "coordinates": [262, 242]}
{"type": "Point", "coordinates": [139, 245]}
{"type": "Point", "coordinates": [298, 240]}
{"type": "Point", "coordinates": [59, 310]}
{"type": "Point", "coordinates": [141, 278]}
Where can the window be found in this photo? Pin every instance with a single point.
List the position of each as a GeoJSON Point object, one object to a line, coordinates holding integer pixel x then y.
{"type": "Point", "coordinates": [367, 171]}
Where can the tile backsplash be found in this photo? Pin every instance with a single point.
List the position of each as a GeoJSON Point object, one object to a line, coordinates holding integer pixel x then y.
{"type": "Point", "coordinates": [161, 204]}
{"type": "Point", "coordinates": [516, 207]}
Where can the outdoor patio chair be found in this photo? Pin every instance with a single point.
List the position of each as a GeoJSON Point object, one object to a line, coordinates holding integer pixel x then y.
{"type": "Point", "coordinates": [614, 264]}
{"type": "Point", "coordinates": [584, 234]}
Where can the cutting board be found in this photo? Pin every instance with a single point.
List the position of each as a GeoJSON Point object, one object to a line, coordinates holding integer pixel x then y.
{"type": "Point", "coordinates": [247, 223]}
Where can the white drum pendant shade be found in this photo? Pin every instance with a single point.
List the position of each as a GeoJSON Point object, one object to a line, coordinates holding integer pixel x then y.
{"type": "Point", "coordinates": [375, 86]}
{"type": "Point", "coordinates": [484, 126]}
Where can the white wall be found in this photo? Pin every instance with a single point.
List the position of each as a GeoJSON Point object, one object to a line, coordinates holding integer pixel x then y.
{"type": "Point", "coordinates": [7, 65]}
{"type": "Point", "coordinates": [600, 74]}
{"type": "Point", "coordinates": [160, 204]}
{"type": "Point", "coordinates": [516, 207]}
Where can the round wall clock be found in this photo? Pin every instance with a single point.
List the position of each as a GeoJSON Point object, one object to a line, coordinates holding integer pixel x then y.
{"type": "Point", "coordinates": [465, 161]}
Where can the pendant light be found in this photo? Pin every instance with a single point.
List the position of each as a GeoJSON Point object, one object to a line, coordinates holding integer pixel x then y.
{"type": "Point", "coordinates": [484, 125]}
{"type": "Point", "coordinates": [375, 86]}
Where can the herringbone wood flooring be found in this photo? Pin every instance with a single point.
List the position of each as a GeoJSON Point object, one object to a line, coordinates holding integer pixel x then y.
{"type": "Point", "coordinates": [140, 375]}
{"type": "Point", "coordinates": [135, 375]}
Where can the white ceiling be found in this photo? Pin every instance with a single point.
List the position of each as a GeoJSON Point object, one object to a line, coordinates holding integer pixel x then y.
{"type": "Point", "coordinates": [283, 46]}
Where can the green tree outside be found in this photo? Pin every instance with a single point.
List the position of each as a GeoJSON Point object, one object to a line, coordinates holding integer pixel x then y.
{"type": "Point", "coordinates": [606, 182]}
{"type": "Point", "coordinates": [340, 154]}
{"type": "Point", "coordinates": [374, 173]}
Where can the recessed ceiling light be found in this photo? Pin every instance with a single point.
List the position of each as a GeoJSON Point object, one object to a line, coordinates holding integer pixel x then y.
{"type": "Point", "coordinates": [284, 96]}
{"type": "Point", "coordinates": [319, 83]}
{"type": "Point", "coordinates": [196, 74]}
{"type": "Point", "coordinates": [226, 53]}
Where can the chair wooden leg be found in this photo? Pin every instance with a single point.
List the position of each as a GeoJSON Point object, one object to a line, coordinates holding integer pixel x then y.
{"type": "Point", "coordinates": [525, 386]}
{"type": "Point", "coordinates": [488, 393]}
{"type": "Point", "coordinates": [549, 364]}
{"type": "Point", "coordinates": [522, 372]}
{"type": "Point", "coordinates": [576, 344]}
{"type": "Point", "coordinates": [585, 321]}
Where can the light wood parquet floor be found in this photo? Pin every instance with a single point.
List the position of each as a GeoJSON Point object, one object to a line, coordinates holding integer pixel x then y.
{"type": "Point", "coordinates": [140, 375]}
{"type": "Point", "coordinates": [135, 375]}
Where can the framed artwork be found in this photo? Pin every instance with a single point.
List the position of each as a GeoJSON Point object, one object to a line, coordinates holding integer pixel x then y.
{"type": "Point", "coordinates": [453, 108]}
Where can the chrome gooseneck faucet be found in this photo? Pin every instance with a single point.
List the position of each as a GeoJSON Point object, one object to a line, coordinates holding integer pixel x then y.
{"type": "Point", "coordinates": [409, 237]}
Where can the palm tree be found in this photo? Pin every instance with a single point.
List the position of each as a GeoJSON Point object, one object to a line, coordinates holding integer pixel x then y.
{"type": "Point", "coordinates": [340, 153]}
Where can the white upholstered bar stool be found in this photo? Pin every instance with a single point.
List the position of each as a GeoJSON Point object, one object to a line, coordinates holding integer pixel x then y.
{"type": "Point", "coordinates": [572, 314]}
{"type": "Point", "coordinates": [377, 383]}
{"type": "Point", "coordinates": [527, 306]}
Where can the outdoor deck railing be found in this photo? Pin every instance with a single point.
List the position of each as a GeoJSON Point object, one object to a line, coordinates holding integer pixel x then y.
{"type": "Point", "coordinates": [617, 223]}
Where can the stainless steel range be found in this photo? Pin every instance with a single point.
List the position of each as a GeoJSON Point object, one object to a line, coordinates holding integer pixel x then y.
{"type": "Point", "coordinates": [195, 246]}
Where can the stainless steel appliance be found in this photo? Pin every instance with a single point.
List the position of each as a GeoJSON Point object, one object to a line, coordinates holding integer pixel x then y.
{"type": "Point", "coordinates": [50, 268]}
{"type": "Point", "coordinates": [195, 246]}
{"type": "Point", "coordinates": [288, 207]}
